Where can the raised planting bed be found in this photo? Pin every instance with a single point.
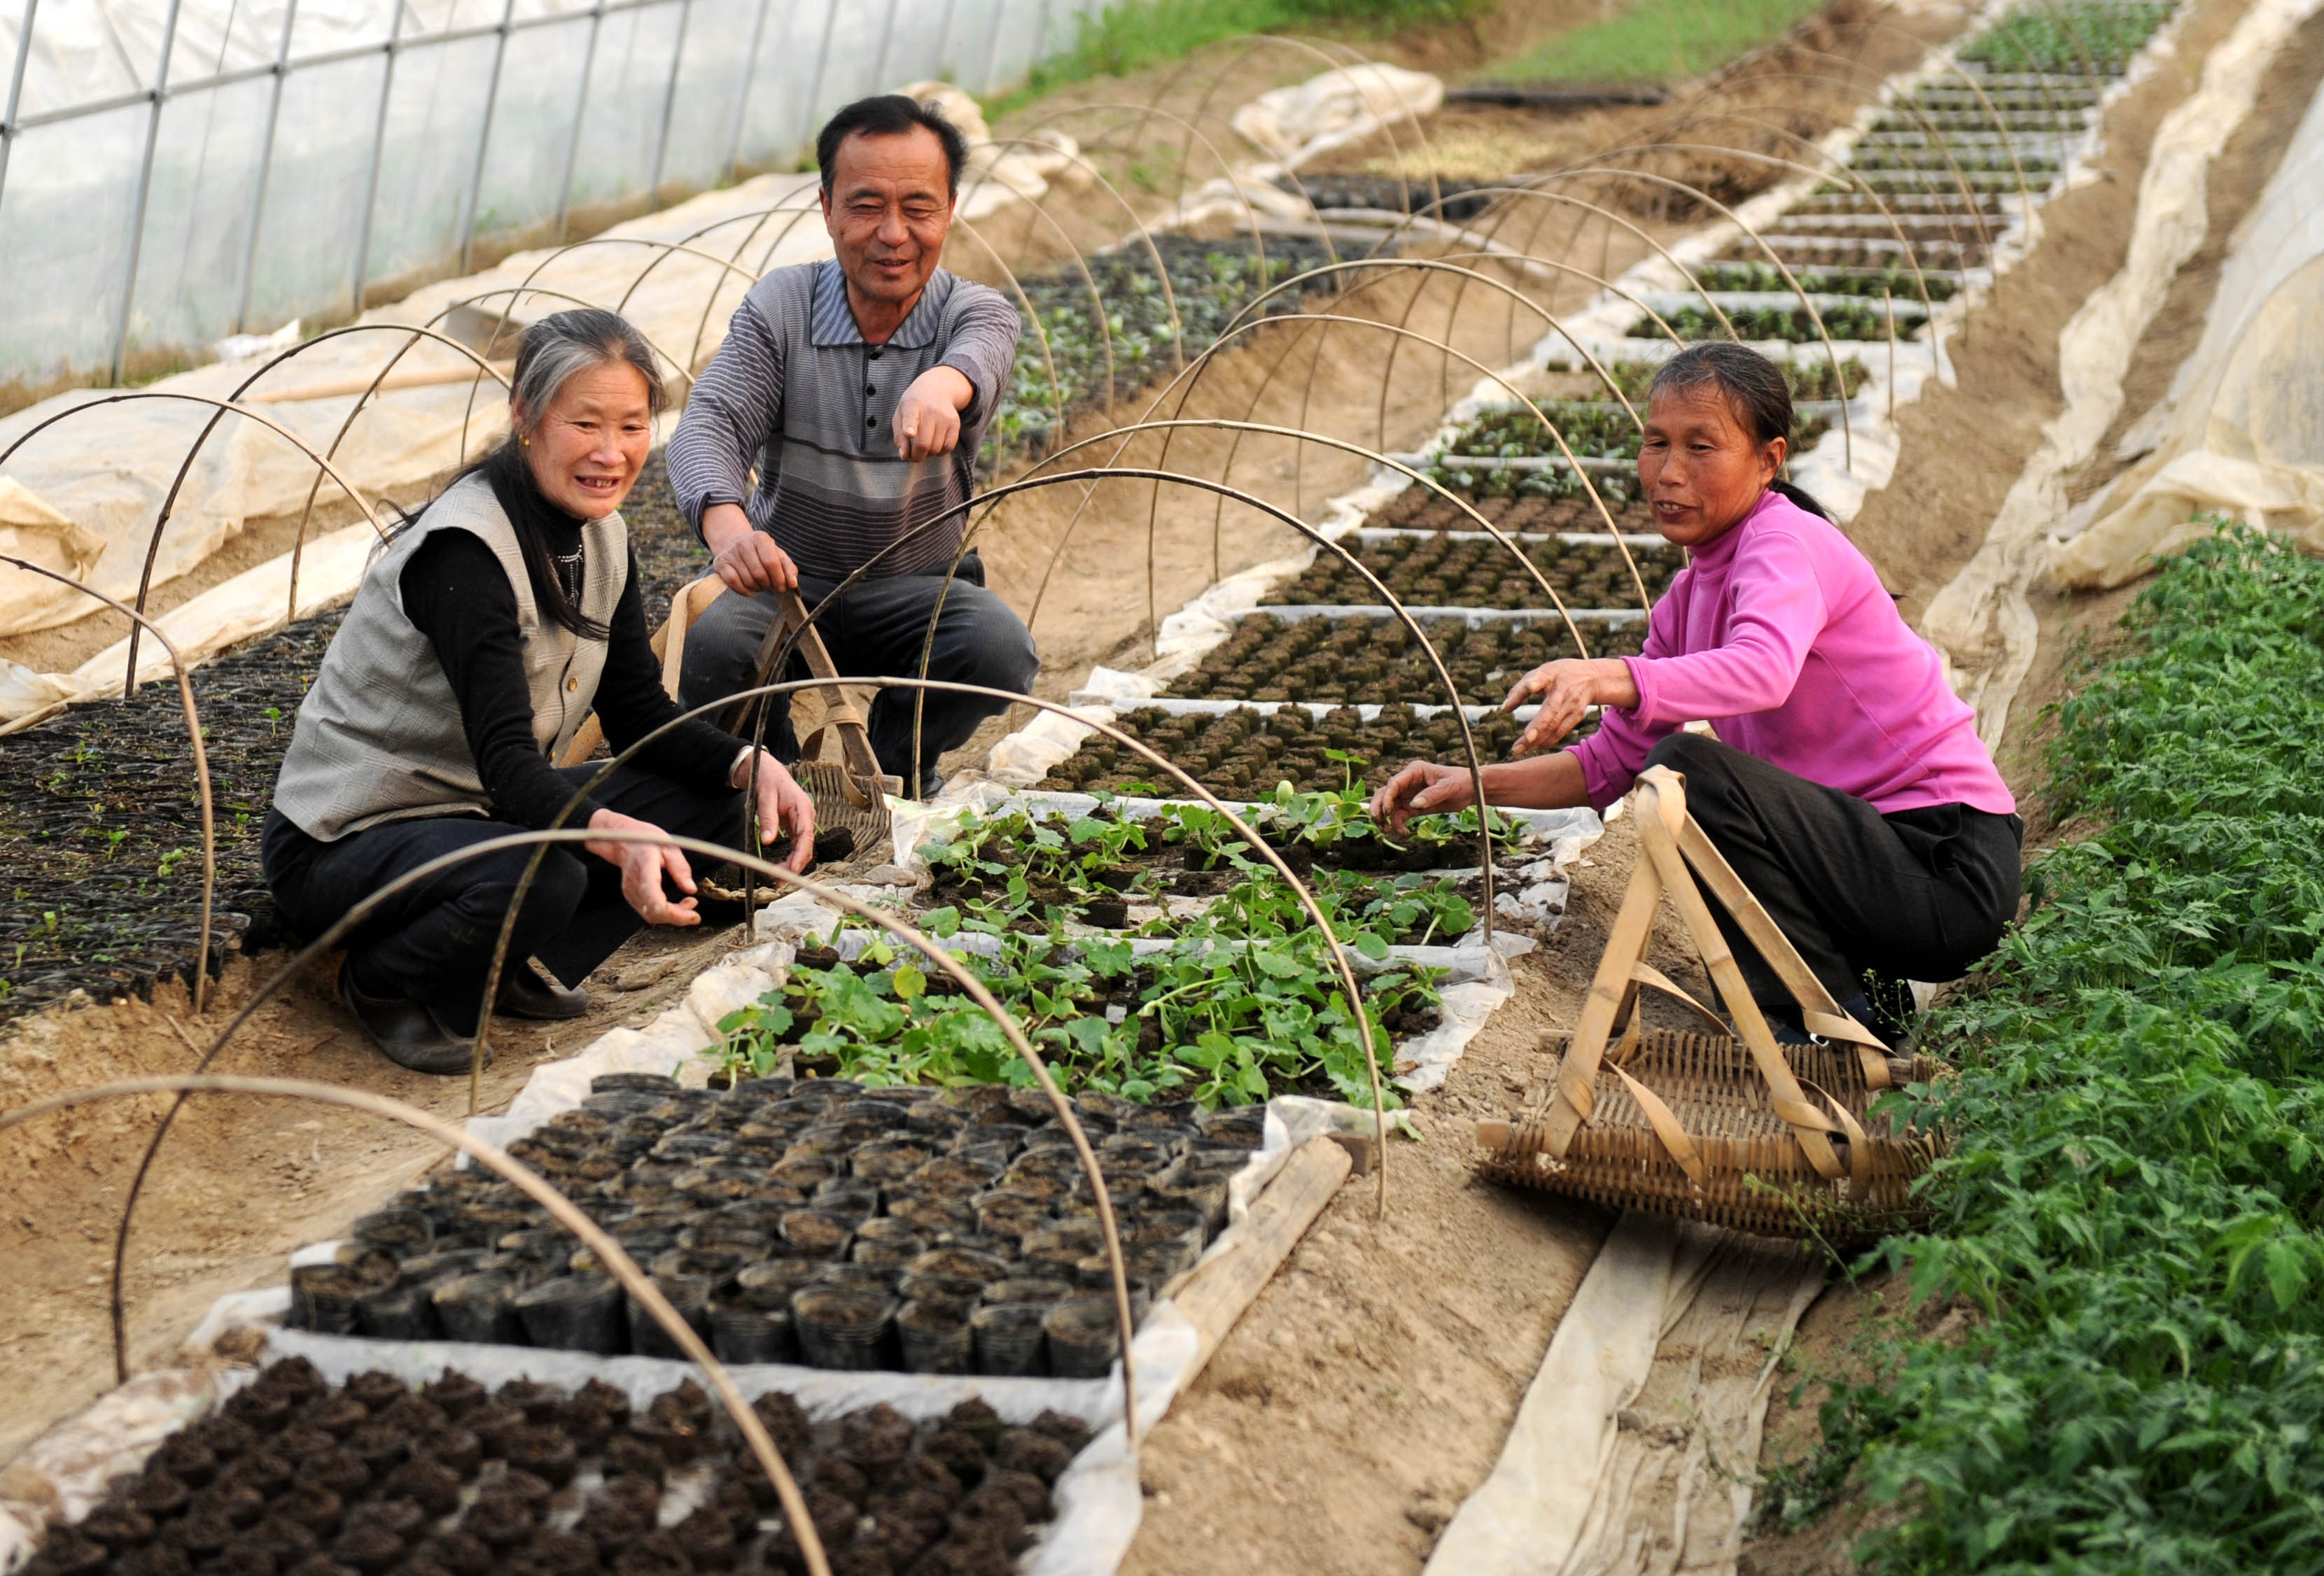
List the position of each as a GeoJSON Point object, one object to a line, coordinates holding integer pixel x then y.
{"type": "Point", "coordinates": [1471, 569]}
{"type": "Point", "coordinates": [293, 1475]}
{"type": "Point", "coordinates": [100, 838]}
{"type": "Point", "coordinates": [1938, 258]}
{"type": "Point", "coordinates": [1496, 497]}
{"type": "Point", "coordinates": [1451, 200]}
{"type": "Point", "coordinates": [1595, 431]}
{"type": "Point", "coordinates": [1865, 324]}
{"type": "Point", "coordinates": [1210, 282]}
{"type": "Point", "coordinates": [1813, 379]}
{"type": "Point", "coordinates": [2068, 39]}
{"type": "Point", "coordinates": [1893, 279]}
{"type": "Point", "coordinates": [1939, 164]}
{"type": "Point", "coordinates": [821, 1222]}
{"type": "Point", "coordinates": [1358, 658]}
{"type": "Point", "coordinates": [1240, 752]}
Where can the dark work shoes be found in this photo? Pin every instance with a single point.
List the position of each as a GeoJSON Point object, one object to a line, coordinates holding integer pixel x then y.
{"type": "Point", "coordinates": [406, 1033]}
{"type": "Point", "coordinates": [525, 994]}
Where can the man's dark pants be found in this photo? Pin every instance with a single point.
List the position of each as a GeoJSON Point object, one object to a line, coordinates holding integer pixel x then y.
{"type": "Point", "coordinates": [1916, 895]}
{"type": "Point", "coordinates": [877, 628]}
{"type": "Point", "coordinates": [432, 943]}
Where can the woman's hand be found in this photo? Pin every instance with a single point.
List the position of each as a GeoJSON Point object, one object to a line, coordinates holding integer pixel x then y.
{"type": "Point", "coordinates": [1422, 788]}
{"type": "Point", "coordinates": [783, 804]}
{"type": "Point", "coordinates": [642, 866]}
{"type": "Point", "coordinates": [1568, 688]}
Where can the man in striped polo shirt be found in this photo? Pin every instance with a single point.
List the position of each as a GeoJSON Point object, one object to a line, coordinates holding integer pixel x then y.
{"type": "Point", "coordinates": [862, 388]}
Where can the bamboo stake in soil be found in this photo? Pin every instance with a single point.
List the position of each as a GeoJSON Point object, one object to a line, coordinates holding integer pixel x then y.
{"type": "Point", "coordinates": [567, 1213]}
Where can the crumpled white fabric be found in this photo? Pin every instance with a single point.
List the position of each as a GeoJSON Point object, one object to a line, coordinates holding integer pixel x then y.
{"type": "Point", "coordinates": [1345, 105]}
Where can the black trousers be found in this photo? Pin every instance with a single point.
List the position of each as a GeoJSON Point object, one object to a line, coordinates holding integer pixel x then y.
{"type": "Point", "coordinates": [877, 628]}
{"type": "Point", "coordinates": [1916, 895]}
{"type": "Point", "coordinates": [432, 942]}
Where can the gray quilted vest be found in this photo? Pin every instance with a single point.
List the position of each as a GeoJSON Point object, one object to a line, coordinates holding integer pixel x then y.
{"type": "Point", "coordinates": [379, 736]}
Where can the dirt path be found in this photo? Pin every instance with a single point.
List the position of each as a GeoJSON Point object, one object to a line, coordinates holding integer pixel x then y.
{"type": "Point", "coordinates": [1369, 1390]}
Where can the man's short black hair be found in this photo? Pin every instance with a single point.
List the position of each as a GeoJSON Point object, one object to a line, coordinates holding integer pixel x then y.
{"type": "Point", "coordinates": [888, 115]}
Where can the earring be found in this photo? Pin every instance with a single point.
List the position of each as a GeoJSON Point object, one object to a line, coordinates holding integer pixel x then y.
{"type": "Point", "coordinates": [525, 441]}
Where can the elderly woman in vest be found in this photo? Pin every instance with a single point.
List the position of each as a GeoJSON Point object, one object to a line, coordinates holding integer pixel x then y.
{"type": "Point", "coordinates": [482, 637]}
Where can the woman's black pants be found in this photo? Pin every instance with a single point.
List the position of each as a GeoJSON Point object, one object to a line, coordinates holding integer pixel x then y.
{"type": "Point", "coordinates": [1916, 895]}
{"type": "Point", "coordinates": [432, 942]}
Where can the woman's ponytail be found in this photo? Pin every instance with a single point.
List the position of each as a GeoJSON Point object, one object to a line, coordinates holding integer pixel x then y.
{"type": "Point", "coordinates": [1799, 497]}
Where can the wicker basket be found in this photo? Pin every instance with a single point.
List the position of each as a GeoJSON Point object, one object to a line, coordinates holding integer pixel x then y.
{"type": "Point", "coordinates": [1756, 1176]}
{"type": "Point", "coordinates": [1726, 1128]}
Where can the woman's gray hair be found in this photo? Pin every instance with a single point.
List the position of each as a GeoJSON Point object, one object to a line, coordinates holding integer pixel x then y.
{"type": "Point", "coordinates": [562, 345]}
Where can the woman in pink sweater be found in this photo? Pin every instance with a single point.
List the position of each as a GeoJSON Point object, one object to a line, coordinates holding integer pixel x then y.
{"type": "Point", "coordinates": [1847, 785]}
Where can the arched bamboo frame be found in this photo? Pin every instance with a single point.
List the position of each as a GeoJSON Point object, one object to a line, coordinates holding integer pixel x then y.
{"type": "Point", "coordinates": [221, 406]}
{"type": "Point", "coordinates": [974, 988]}
{"type": "Point", "coordinates": [567, 1214]}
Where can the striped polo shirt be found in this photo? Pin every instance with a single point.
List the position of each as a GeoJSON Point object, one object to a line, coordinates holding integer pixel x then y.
{"type": "Point", "coordinates": [796, 390]}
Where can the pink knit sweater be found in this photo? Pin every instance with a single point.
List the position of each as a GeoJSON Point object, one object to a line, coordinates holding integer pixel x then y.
{"type": "Point", "coordinates": [1778, 634]}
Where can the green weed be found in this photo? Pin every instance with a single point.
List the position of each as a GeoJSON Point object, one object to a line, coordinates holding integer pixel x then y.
{"type": "Point", "coordinates": [1125, 38]}
{"type": "Point", "coordinates": [2131, 1202]}
{"type": "Point", "coordinates": [1657, 40]}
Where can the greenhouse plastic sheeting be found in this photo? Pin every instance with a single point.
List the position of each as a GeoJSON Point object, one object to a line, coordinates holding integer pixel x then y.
{"type": "Point", "coordinates": [109, 470]}
{"type": "Point", "coordinates": [84, 493]}
{"type": "Point", "coordinates": [170, 173]}
{"type": "Point", "coordinates": [1981, 621]}
{"type": "Point", "coordinates": [2241, 430]}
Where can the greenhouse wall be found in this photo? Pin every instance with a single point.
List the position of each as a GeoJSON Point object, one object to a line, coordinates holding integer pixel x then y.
{"type": "Point", "coordinates": [172, 172]}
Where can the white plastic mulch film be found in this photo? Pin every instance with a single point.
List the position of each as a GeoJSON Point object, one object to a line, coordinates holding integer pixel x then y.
{"type": "Point", "coordinates": [2241, 431]}
{"type": "Point", "coordinates": [172, 172]}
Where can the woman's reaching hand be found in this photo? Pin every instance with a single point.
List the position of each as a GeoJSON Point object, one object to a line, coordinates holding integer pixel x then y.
{"type": "Point", "coordinates": [783, 806]}
{"type": "Point", "coordinates": [642, 866]}
{"type": "Point", "coordinates": [1567, 688]}
{"type": "Point", "coordinates": [1422, 788]}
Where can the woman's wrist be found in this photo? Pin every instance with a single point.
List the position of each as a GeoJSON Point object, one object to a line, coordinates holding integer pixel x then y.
{"type": "Point", "coordinates": [739, 774]}
{"type": "Point", "coordinates": [1613, 684]}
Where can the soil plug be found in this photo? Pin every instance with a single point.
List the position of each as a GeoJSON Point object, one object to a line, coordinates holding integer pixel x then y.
{"type": "Point", "coordinates": [742, 1333]}
{"type": "Point", "coordinates": [936, 1335]}
{"type": "Point", "coordinates": [575, 1313]}
{"type": "Point", "coordinates": [1084, 1339]}
{"type": "Point", "coordinates": [842, 1328]}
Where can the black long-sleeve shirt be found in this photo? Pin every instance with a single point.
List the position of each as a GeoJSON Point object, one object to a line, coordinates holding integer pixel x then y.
{"type": "Point", "coordinates": [455, 593]}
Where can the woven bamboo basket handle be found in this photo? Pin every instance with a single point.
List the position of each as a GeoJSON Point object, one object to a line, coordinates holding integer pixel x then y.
{"type": "Point", "coordinates": [1632, 1025]}
{"type": "Point", "coordinates": [1609, 989]}
{"type": "Point", "coordinates": [1661, 808]}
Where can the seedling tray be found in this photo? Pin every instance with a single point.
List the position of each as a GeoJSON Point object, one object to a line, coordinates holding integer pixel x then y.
{"type": "Point", "coordinates": [1328, 655]}
{"type": "Point", "coordinates": [1237, 749]}
{"type": "Point", "coordinates": [378, 1472]}
{"type": "Point", "coordinates": [824, 1223]}
{"type": "Point", "coordinates": [1471, 569]}
{"type": "Point", "coordinates": [1417, 508]}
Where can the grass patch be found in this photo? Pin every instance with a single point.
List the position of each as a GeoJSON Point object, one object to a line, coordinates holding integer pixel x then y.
{"type": "Point", "coordinates": [2132, 1203]}
{"type": "Point", "coordinates": [1658, 41]}
{"type": "Point", "coordinates": [1137, 34]}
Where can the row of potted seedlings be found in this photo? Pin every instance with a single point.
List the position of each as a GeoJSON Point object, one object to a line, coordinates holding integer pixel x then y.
{"type": "Point", "coordinates": [292, 1476]}
{"type": "Point", "coordinates": [818, 1221]}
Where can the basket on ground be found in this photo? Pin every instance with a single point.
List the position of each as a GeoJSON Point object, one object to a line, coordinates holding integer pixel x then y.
{"type": "Point", "coordinates": [1725, 1128]}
